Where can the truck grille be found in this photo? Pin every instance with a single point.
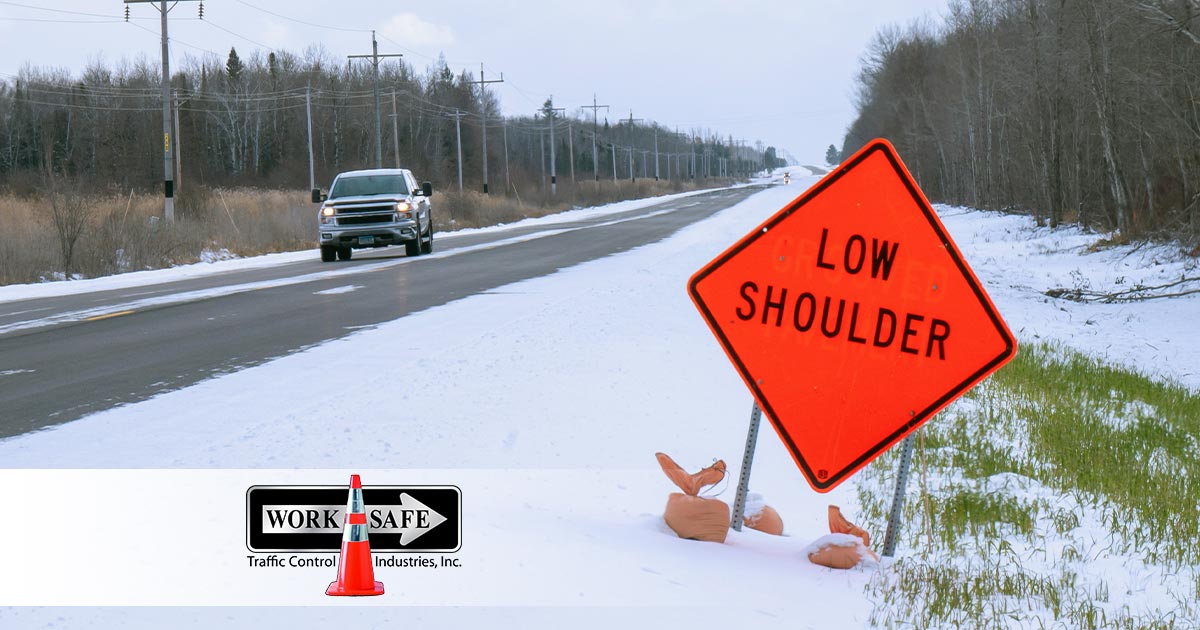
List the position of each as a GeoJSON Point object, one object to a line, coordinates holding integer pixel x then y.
{"type": "Point", "coordinates": [387, 207]}
{"type": "Point", "coordinates": [364, 219]}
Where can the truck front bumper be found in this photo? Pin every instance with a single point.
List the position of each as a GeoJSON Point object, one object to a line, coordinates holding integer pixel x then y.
{"type": "Point", "coordinates": [371, 235]}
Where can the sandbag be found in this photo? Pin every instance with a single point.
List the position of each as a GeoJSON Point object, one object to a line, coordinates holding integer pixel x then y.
{"type": "Point", "coordinates": [845, 547]}
{"type": "Point", "coordinates": [691, 516]}
{"type": "Point", "coordinates": [761, 516]}
{"type": "Point", "coordinates": [766, 520]}
{"type": "Point", "coordinates": [697, 518]}
{"type": "Point", "coordinates": [839, 551]}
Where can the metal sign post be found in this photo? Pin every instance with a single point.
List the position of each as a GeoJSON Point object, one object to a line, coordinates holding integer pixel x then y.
{"type": "Point", "coordinates": [739, 501]}
{"type": "Point", "coordinates": [893, 528]}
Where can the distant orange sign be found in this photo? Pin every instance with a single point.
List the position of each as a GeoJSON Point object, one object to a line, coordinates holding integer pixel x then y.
{"type": "Point", "coordinates": [852, 316]}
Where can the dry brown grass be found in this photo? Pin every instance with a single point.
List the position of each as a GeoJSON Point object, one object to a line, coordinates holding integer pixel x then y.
{"type": "Point", "coordinates": [125, 232]}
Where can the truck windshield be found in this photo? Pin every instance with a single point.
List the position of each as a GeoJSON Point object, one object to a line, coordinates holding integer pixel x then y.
{"type": "Point", "coordinates": [369, 185]}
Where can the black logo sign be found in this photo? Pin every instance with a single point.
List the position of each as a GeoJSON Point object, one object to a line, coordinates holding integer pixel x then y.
{"type": "Point", "coordinates": [400, 519]}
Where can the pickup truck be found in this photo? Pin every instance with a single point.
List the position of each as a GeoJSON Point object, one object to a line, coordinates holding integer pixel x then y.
{"type": "Point", "coordinates": [374, 208]}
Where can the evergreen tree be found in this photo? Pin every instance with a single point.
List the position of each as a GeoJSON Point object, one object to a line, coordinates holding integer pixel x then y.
{"type": "Point", "coordinates": [832, 155]}
{"type": "Point", "coordinates": [771, 159]}
{"type": "Point", "coordinates": [233, 66]}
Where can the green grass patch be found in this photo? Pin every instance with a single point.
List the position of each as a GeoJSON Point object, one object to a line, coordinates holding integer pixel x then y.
{"type": "Point", "coordinates": [1028, 492]}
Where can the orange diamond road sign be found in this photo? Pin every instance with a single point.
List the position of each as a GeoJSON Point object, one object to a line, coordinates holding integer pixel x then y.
{"type": "Point", "coordinates": [852, 316]}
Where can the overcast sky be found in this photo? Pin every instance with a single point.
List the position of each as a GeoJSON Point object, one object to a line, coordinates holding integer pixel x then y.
{"type": "Point", "coordinates": [777, 71]}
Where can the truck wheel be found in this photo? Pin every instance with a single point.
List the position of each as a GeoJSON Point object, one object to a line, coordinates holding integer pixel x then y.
{"type": "Point", "coordinates": [413, 247]}
{"type": "Point", "coordinates": [427, 246]}
{"type": "Point", "coordinates": [328, 253]}
{"type": "Point", "coordinates": [344, 253]}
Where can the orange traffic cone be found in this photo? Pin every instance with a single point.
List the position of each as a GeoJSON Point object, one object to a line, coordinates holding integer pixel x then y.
{"type": "Point", "coordinates": [355, 573]}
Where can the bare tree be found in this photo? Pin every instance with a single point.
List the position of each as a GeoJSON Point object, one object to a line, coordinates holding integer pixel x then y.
{"type": "Point", "coordinates": [70, 211]}
{"type": "Point", "coordinates": [1077, 110]}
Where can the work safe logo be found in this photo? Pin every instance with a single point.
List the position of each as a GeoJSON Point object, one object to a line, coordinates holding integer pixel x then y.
{"type": "Point", "coordinates": [310, 518]}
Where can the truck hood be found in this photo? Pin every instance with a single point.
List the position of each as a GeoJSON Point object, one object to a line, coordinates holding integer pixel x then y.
{"type": "Point", "coordinates": [368, 199]}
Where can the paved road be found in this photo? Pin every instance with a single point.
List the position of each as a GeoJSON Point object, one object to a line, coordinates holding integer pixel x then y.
{"type": "Point", "coordinates": [64, 357]}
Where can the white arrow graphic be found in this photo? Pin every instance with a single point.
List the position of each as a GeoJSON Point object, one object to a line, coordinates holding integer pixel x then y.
{"type": "Point", "coordinates": [409, 534]}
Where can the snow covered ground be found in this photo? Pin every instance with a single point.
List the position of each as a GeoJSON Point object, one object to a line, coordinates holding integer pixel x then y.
{"type": "Point", "coordinates": [545, 401]}
{"type": "Point", "coordinates": [1018, 262]}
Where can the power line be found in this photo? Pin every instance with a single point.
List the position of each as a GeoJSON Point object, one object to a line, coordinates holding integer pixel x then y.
{"type": "Point", "coordinates": [222, 28]}
{"type": "Point", "coordinates": [20, 19]}
{"type": "Point", "coordinates": [338, 28]}
{"type": "Point", "coordinates": [299, 21]}
{"type": "Point", "coordinates": [31, 6]}
{"type": "Point", "coordinates": [342, 29]}
{"type": "Point", "coordinates": [420, 54]}
{"type": "Point", "coordinates": [176, 40]}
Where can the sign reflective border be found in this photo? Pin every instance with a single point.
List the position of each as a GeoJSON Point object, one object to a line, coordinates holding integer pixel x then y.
{"type": "Point", "coordinates": [852, 316]}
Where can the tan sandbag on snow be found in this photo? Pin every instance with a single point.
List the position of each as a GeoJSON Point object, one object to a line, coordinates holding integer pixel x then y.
{"type": "Point", "coordinates": [767, 521]}
{"type": "Point", "coordinates": [846, 545]}
{"type": "Point", "coordinates": [839, 551]}
{"type": "Point", "coordinates": [760, 516]}
{"type": "Point", "coordinates": [697, 518]}
{"type": "Point", "coordinates": [839, 525]}
{"type": "Point", "coordinates": [688, 515]}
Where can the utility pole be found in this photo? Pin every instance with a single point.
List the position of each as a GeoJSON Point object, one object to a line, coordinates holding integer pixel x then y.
{"type": "Point", "coordinates": [595, 129]}
{"type": "Point", "coordinates": [631, 121]}
{"type": "Point", "coordinates": [482, 83]}
{"type": "Point", "coordinates": [655, 152]}
{"type": "Point", "coordinates": [507, 179]}
{"type": "Point", "coordinates": [374, 57]}
{"type": "Point", "coordinates": [168, 142]}
{"type": "Point", "coordinates": [178, 150]}
{"type": "Point", "coordinates": [395, 130]}
{"type": "Point", "coordinates": [612, 147]}
{"type": "Point", "coordinates": [542, 144]}
{"type": "Point", "coordinates": [458, 136]}
{"type": "Point", "coordinates": [550, 112]}
{"type": "Point", "coordinates": [312, 180]}
{"type": "Point", "coordinates": [693, 173]}
{"type": "Point", "coordinates": [571, 148]}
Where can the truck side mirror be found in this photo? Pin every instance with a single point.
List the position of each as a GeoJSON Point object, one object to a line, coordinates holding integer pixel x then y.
{"type": "Point", "coordinates": [317, 195]}
{"type": "Point", "coordinates": [427, 189]}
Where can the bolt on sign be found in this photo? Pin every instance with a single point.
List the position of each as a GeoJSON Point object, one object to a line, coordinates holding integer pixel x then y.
{"type": "Point", "coordinates": [852, 316]}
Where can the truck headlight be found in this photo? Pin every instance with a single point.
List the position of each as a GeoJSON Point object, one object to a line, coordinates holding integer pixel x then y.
{"type": "Point", "coordinates": [402, 206]}
{"type": "Point", "coordinates": [401, 216]}
{"type": "Point", "coordinates": [327, 211]}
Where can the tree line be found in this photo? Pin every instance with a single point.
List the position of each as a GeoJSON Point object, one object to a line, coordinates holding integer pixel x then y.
{"type": "Point", "coordinates": [1071, 110]}
{"type": "Point", "coordinates": [244, 122]}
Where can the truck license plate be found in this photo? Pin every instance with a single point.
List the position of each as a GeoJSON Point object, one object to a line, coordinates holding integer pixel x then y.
{"type": "Point", "coordinates": [366, 240]}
